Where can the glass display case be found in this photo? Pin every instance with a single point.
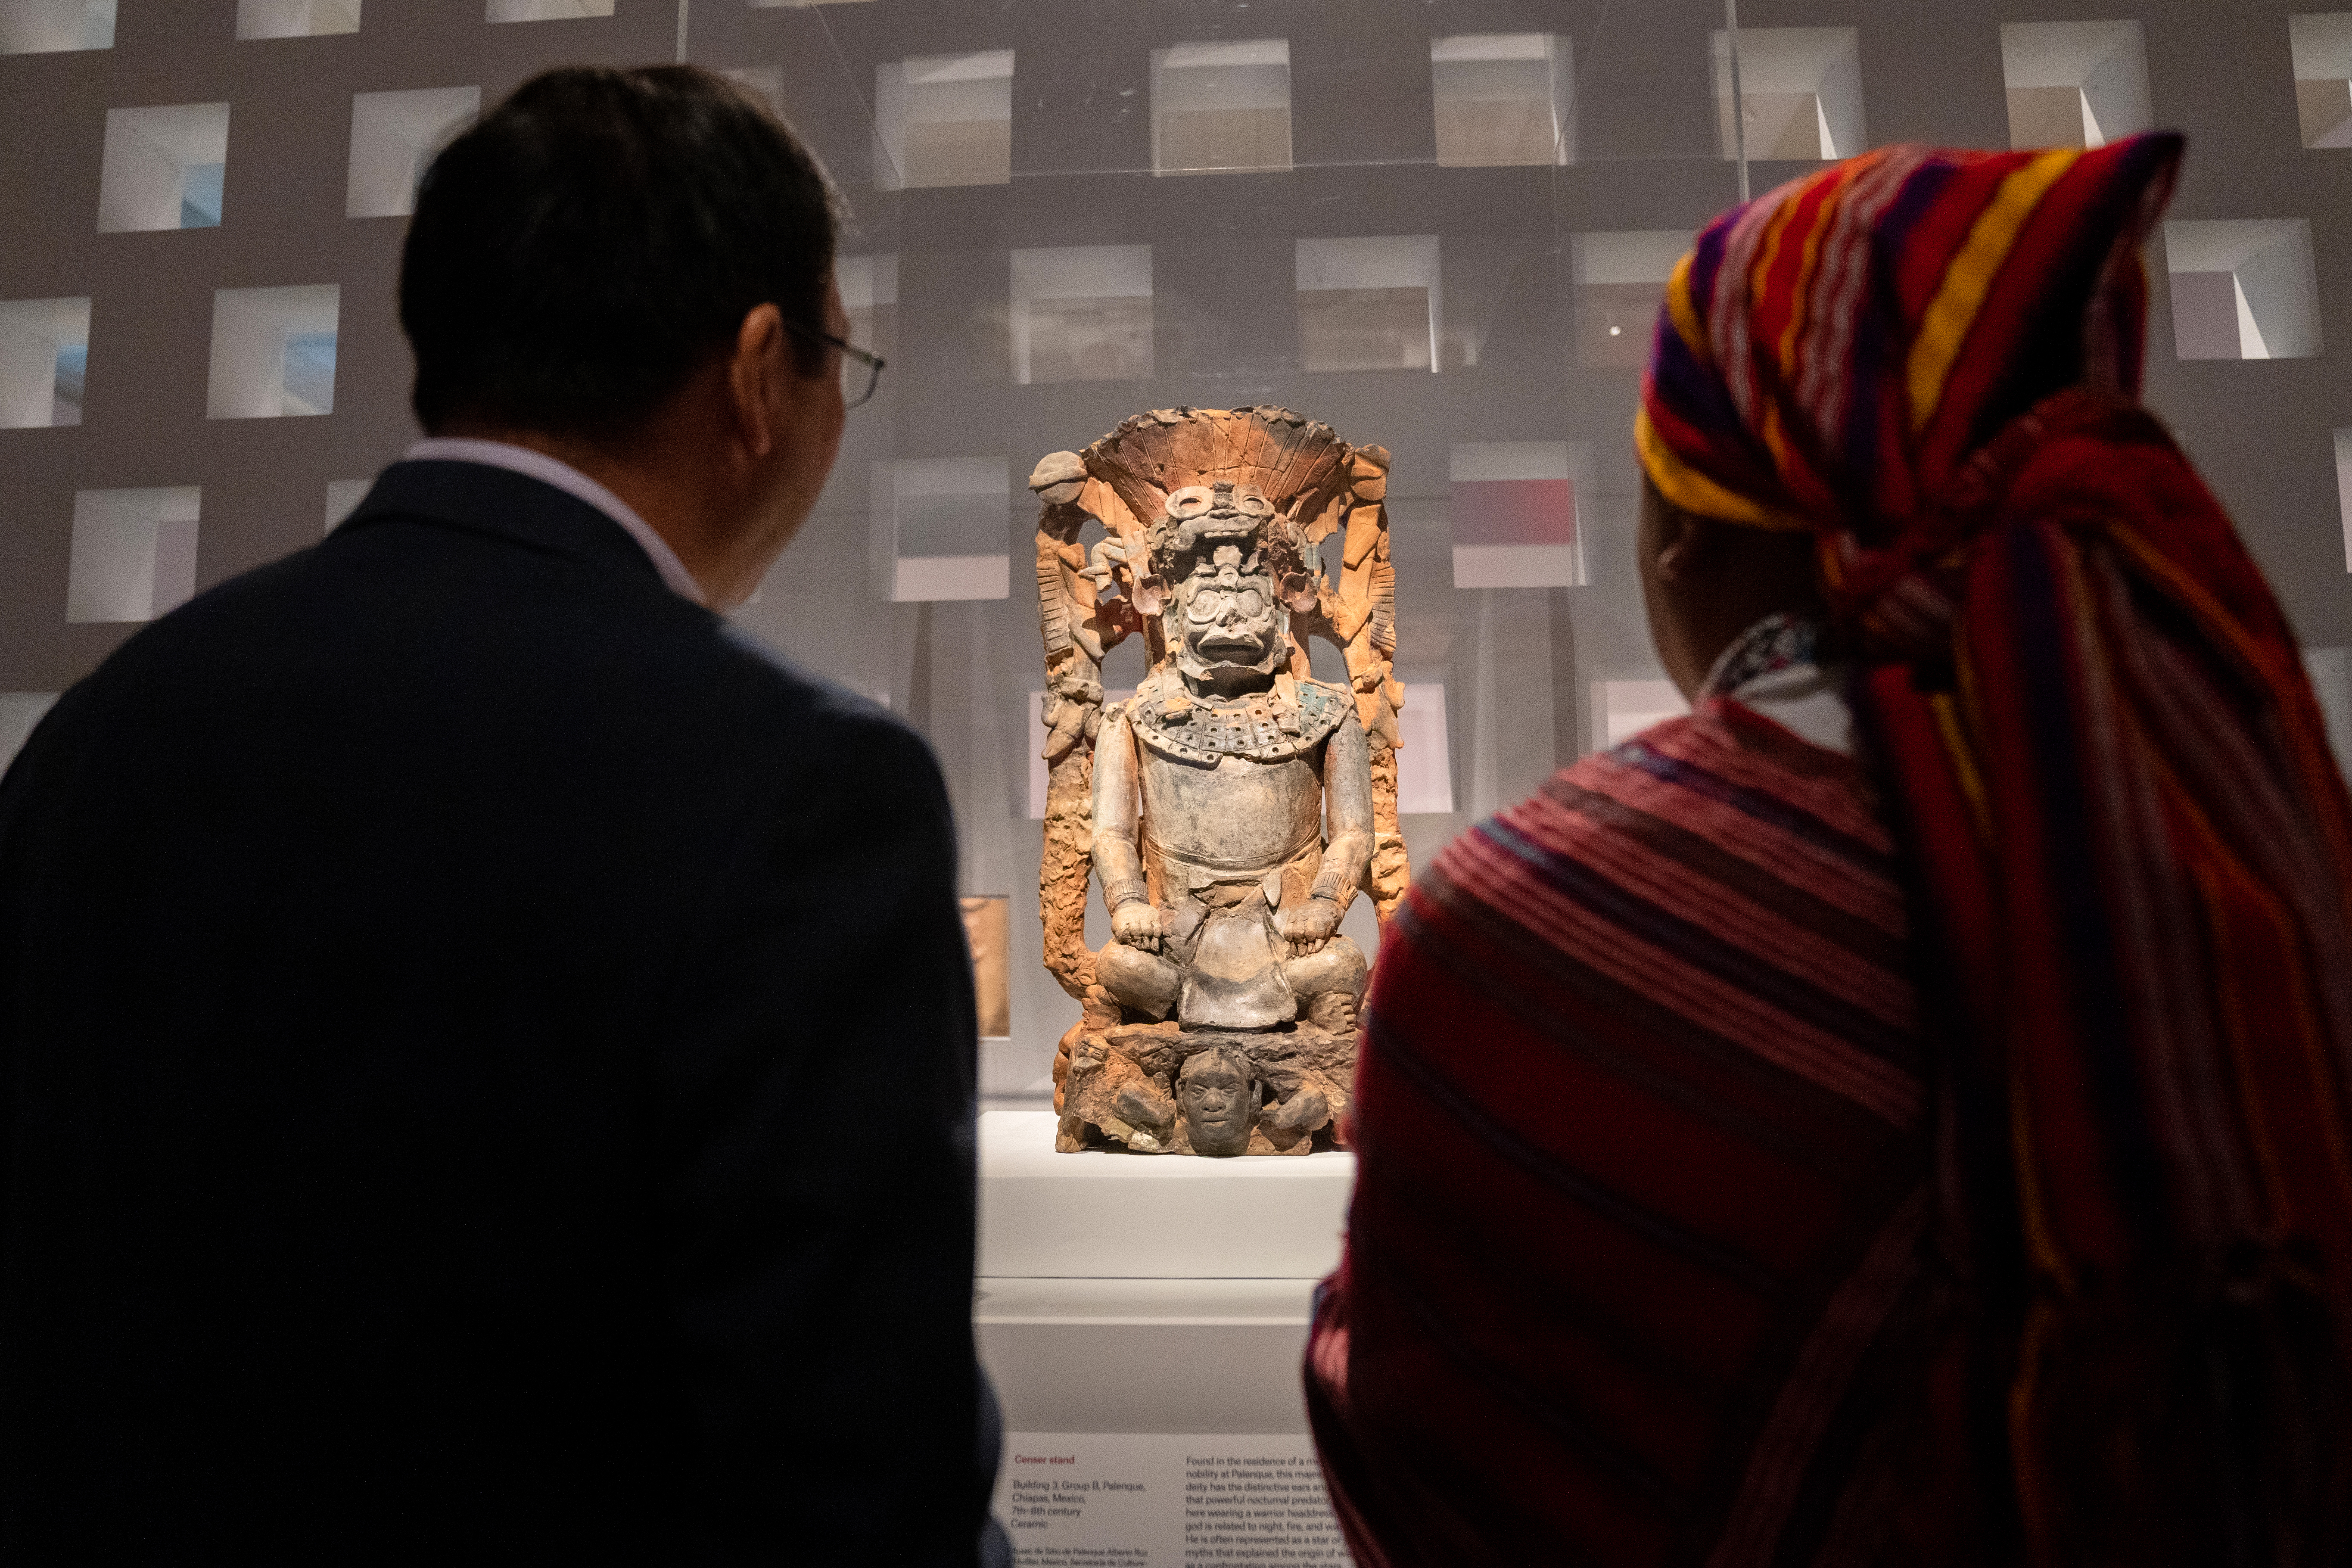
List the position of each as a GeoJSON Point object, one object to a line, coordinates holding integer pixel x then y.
{"type": "Point", "coordinates": [1438, 228]}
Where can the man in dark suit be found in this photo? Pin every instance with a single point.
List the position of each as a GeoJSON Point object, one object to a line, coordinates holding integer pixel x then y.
{"type": "Point", "coordinates": [486, 1051]}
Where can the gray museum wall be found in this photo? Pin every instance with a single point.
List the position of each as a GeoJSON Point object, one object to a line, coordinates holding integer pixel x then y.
{"type": "Point", "coordinates": [1066, 147]}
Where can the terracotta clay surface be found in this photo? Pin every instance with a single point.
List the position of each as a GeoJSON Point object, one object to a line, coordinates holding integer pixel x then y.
{"type": "Point", "coordinates": [1234, 807]}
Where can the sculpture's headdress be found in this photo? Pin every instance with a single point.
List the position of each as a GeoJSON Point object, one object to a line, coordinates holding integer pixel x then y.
{"type": "Point", "coordinates": [1192, 477]}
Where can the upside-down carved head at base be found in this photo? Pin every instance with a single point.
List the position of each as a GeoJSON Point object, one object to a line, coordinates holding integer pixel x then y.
{"type": "Point", "coordinates": [1217, 1095]}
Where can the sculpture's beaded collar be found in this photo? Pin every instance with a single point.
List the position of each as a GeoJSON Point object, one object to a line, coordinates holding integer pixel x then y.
{"type": "Point", "coordinates": [1290, 721]}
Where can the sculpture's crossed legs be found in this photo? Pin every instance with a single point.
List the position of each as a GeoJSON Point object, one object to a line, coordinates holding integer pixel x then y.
{"type": "Point", "coordinates": [1328, 983]}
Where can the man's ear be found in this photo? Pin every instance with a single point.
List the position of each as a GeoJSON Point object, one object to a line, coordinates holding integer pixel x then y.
{"type": "Point", "coordinates": [755, 373]}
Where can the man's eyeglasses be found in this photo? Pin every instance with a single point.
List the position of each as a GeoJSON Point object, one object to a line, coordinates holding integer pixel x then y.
{"type": "Point", "coordinates": [861, 372]}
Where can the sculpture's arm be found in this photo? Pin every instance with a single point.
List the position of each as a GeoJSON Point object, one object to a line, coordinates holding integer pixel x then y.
{"type": "Point", "coordinates": [1117, 848]}
{"type": "Point", "coordinates": [1347, 805]}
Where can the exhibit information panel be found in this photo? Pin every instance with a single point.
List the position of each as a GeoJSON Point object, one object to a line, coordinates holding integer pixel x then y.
{"type": "Point", "coordinates": [1096, 1499]}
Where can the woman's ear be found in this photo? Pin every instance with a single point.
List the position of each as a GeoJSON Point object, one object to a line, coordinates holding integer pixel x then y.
{"type": "Point", "coordinates": [1683, 544]}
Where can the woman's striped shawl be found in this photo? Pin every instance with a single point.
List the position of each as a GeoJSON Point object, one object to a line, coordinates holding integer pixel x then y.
{"type": "Point", "coordinates": [1635, 1269]}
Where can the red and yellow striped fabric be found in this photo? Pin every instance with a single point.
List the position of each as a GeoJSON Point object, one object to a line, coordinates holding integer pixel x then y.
{"type": "Point", "coordinates": [1831, 355]}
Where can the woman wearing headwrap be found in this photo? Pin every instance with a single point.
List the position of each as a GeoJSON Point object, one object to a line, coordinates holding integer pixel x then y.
{"type": "Point", "coordinates": [1902, 1112]}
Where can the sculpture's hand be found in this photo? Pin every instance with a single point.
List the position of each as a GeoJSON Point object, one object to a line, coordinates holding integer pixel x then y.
{"type": "Point", "coordinates": [1305, 1111]}
{"type": "Point", "coordinates": [1141, 1104]}
{"type": "Point", "coordinates": [1139, 925]}
{"type": "Point", "coordinates": [1307, 926]}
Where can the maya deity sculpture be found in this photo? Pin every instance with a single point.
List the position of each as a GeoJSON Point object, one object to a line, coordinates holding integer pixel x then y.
{"type": "Point", "coordinates": [1234, 807]}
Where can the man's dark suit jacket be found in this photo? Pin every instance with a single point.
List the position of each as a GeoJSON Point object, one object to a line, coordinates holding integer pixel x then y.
{"type": "Point", "coordinates": [486, 1074]}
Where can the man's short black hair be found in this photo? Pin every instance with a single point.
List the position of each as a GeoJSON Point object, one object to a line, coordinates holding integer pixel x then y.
{"type": "Point", "coordinates": [577, 254]}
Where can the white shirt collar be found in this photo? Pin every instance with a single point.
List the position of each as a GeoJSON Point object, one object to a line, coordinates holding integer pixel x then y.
{"type": "Point", "coordinates": [572, 482]}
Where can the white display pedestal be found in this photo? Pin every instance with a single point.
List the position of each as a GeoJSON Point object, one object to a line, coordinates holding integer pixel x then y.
{"type": "Point", "coordinates": [1153, 1217]}
{"type": "Point", "coordinates": [1138, 1293]}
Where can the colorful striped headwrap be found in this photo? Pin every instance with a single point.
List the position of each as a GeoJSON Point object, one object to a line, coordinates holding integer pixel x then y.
{"type": "Point", "coordinates": [2133, 850]}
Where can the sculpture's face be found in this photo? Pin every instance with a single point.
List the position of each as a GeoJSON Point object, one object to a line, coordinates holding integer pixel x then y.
{"type": "Point", "coordinates": [1226, 612]}
{"type": "Point", "coordinates": [1223, 615]}
{"type": "Point", "coordinates": [1213, 1093]}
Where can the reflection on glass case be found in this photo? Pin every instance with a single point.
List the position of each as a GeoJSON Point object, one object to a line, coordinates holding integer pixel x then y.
{"type": "Point", "coordinates": [1444, 227]}
{"type": "Point", "coordinates": [1221, 107]}
{"type": "Point", "coordinates": [2322, 49]}
{"type": "Point", "coordinates": [1503, 97]}
{"type": "Point", "coordinates": [944, 120]}
{"type": "Point", "coordinates": [1082, 313]}
{"type": "Point", "coordinates": [1799, 93]}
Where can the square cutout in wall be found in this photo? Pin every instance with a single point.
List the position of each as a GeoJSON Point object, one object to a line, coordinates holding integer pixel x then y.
{"type": "Point", "coordinates": [1800, 89]}
{"type": "Point", "coordinates": [988, 932]}
{"type": "Point", "coordinates": [1623, 709]}
{"type": "Point", "coordinates": [1504, 98]}
{"type": "Point", "coordinates": [1424, 753]}
{"type": "Point", "coordinates": [296, 18]}
{"type": "Point", "coordinates": [2243, 289]}
{"type": "Point", "coordinates": [1514, 514]}
{"type": "Point", "coordinates": [2075, 84]}
{"type": "Point", "coordinates": [1620, 281]}
{"type": "Point", "coordinates": [2344, 490]}
{"type": "Point", "coordinates": [134, 553]}
{"type": "Point", "coordinates": [1220, 108]}
{"type": "Point", "coordinates": [55, 26]}
{"type": "Point", "coordinates": [2330, 670]}
{"type": "Point", "coordinates": [869, 297]}
{"type": "Point", "coordinates": [44, 358]}
{"type": "Point", "coordinates": [394, 137]}
{"type": "Point", "coordinates": [1082, 313]}
{"type": "Point", "coordinates": [20, 712]}
{"type": "Point", "coordinates": [1368, 304]}
{"type": "Point", "coordinates": [344, 497]}
{"type": "Point", "coordinates": [941, 529]}
{"type": "Point", "coordinates": [545, 10]}
{"type": "Point", "coordinates": [163, 167]}
{"type": "Point", "coordinates": [273, 351]}
{"type": "Point", "coordinates": [2322, 46]}
{"type": "Point", "coordinates": [944, 120]}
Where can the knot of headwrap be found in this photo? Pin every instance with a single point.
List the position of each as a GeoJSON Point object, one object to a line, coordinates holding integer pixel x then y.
{"type": "Point", "coordinates": [2131, 842]}
{"type": "Point", "coordinates": [1897, 600]}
